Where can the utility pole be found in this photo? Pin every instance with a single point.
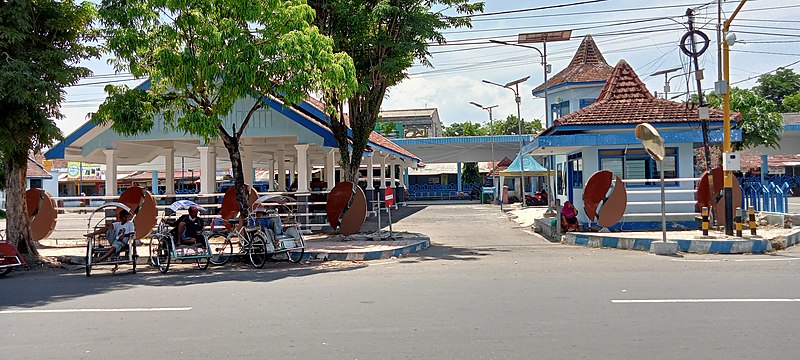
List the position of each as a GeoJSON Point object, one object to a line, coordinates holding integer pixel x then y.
{"type": "Point", "coordinates": [702, 109]}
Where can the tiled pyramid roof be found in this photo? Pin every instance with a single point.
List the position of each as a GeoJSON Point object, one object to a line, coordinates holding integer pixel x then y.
{"type": "Point", "coordinates": [587, 65]}
{"type": "Point", "coordinates": [625, 100]}
{"type": "Point", "coordinates": [500, 166]}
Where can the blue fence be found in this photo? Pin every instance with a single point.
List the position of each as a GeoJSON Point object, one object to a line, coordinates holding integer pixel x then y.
{"type": "Point", "coordinates": [441, 191]}
{"type": "Point", "coordinates": [772, 195]}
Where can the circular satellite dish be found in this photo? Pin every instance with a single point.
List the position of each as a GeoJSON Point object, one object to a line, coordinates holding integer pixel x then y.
{"type": "Point", "coordinates": [651, 140]}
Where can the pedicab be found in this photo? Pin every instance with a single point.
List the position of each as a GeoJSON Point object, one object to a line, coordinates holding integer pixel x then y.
{"type": "Point", "coordinates": [10, 258]}
{"type": "Point", "coordinates": [164, 250]}
{"type": "Point", "coordinates": [264, 237]}
{"type": "Point", "coordinates": [282, 227]}
{"type": "Point", "coordinates": [97, 245]}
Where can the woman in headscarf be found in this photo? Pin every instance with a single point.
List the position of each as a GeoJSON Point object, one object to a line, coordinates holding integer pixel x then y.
{"type": "Point", "coordinates": [569, 217]}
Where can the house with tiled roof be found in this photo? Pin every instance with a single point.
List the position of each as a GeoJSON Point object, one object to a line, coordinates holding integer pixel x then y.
{"type": "Point", "coordinates": [601, 137]}
{"type": "Point", "coordinates": [579, 84]}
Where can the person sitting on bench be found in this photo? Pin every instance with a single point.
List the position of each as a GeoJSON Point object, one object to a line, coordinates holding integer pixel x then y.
{"type": "Point", "coordinates": [190, 228]}
{"type": "Point", "coordinates": [569, 217]}
{"type": "Point", "coordinates": [118, 233]}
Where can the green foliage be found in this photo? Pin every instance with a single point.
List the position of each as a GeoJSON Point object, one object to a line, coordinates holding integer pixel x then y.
{"type": "Point", "coordinates": [384, 38]}
{"type": "Point", "coordinates": [761, 124]}
{"type": "Point", "coordinates": [471, 173]}
{"type": "Point", "coordinates": [203, 56]}
{"type": "Point", "coordinates": [465, 129]}
{"type": "Point", "coordinates": [41, 42]}
{"type": "Point", "coordinates": [777, 86]}
{"type": "Point", "coordinates": [387, 128]}
{"type": "Point", "coordinates": [510, 126]}
{"type": "Point", "coordinates": [791, 103]}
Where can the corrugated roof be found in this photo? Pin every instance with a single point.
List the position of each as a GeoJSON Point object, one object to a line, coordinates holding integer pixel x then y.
{"type": "Point", "coordinates": [626, 100]}
{"type": "Point", "coordinates": [407, 113]}
{"type": "Point", "coordinates": [588, 65]}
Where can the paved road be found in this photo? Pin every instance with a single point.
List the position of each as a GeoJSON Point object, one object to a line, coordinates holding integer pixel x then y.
{"type": "Point", "coordinates": [485, 290]}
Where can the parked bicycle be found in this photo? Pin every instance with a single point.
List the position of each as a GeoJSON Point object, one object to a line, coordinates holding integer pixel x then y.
{"type": "Point", "coordinates": [10, 258]}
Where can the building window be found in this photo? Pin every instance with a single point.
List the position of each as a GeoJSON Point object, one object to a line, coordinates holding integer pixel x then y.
{"type": "Point", "coordinates": [576, 161]}
{"type": "Point", "coordinates": [586, 102]}
{"type": "Point", "coordinates": [559, 179]}
{"type": "Point", "coordinates": [36, 183]}
{"type": "Point", "coordinates": [560, 109]}
{"type": "Point", "coordinates": [636, 164]}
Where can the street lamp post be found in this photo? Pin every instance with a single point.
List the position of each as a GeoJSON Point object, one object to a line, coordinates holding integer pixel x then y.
{"type": "Point", "coordinates": [491, 135]}
{"type": "Point", "coordinates": [518, 99]}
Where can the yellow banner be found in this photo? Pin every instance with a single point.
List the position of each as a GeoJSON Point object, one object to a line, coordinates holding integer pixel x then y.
{"type": "Point", "coordinates": [74, 169]}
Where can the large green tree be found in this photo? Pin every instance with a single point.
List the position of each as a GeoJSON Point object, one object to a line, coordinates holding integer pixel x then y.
{"type": "Point", "coordinates": [465, 129]}
{"type": "Point", "coordinates": [761, 124]}
{"type": "Point", "coordinates": [41, 44]}
{"type": "Point", "coordinates": [791, 103]}
{"type": "Point", "coordinates": [777, 86]}
{"type": "Point", "coordinates": [510, 126]}
{"type": "Point", "coordinates": [384, 38]}
{"type": "Point", "coordinates": [202, 56]}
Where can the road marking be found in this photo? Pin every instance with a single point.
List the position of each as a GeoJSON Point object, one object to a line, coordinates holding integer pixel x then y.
{"type": "Point", "coordinates": [779, 259]}
{"type": "Point", "coordinates": [694, 260]}
{"type": "Point", "coordinates": [46, 311]}
{"type": "Point", "coordinates": [674, 301]}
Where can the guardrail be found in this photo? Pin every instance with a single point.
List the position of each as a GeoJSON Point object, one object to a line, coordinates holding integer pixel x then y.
{"type": "Point", "coordinates": [657, 191]}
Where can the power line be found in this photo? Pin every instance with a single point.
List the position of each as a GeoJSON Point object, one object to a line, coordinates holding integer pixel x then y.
{"type": "Point", "coordinates": [517, 11]}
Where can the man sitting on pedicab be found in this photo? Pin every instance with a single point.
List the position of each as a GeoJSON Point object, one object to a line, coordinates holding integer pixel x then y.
{"type": "Point", "coordinates": [190, 228]}
{"type": "Point", "coordinates": [118, 234]}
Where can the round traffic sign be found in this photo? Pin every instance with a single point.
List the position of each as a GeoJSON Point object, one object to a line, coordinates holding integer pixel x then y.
{"type": "Point", "coordinates": [388, 197]}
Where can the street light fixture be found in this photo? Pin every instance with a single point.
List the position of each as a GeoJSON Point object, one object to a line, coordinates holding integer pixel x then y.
{"type": "Point", "coordinates": [667, 78]}
{"type": "Point", "coordinates": [491, 127]}
{"type": "Point", "coordinates": [518, 99]}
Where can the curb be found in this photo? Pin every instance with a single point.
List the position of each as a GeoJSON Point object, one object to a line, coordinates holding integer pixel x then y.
{"type": "Point", "coordinates": [420, 245]}
{"type": "Point", "coordinates": [755, 246]}
{"type": "Point", "coordinates": [792, 238]}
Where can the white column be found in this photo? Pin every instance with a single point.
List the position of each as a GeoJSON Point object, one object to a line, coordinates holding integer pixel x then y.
{"type": "Point", "coordinates": [370, 163]}
{"type": "Point", "coordinates": [169, 169]}
{"type": "Point", "coordinates": [281, 160]}
{"type": "Point", "coordinates": [303, 175]}
{"type": "Point", "coordinates": [111, 173]}
{"type": "Point", "coordinates": [402, 173]}
{"type": "Point", "coordinates": [383, 171]}
{"type": "Point", "coordinates": [330, 169]}
{"type": "Point", "coordinates": [247, 164]}
{"type": "Point", "coordinates": [292, 170]}
{"type": "Point", "coordinates": [208, 169]}
{"type": "Point", "coordinates": [392, 183]}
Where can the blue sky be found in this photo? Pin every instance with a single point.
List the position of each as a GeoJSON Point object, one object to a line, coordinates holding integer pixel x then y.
{"type": "Point", "coordinates": [768, 31]}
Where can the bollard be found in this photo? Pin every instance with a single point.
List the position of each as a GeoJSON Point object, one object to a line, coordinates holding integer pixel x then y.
{"type": "Point", "coordinates": [738, 220]}
{"type": "Point", "coordinates": [704, 224]}
{"type": "Point", "coordinates": [752, 217]}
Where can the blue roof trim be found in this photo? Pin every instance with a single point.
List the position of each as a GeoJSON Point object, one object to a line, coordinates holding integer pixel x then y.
{"type": "Point", "coordinates": [658, 125]}
{"type": "Point", "coordinates": [57, 151]}
{"type": "Point", "coordinates": [322, 131]}
{"type": "Point", "coordinates": [462, 140]}
{"type": "Point", "coordinates": [629, 138]}
{"type": "Point", "coordinates": [550, 88]}
{"type": "Point", "coordinates": [791, 127]}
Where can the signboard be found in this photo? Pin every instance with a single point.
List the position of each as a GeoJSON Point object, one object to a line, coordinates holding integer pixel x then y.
{"type": "Point", "coordinates": [90, 171]}
{"type": "Point", "coordinates": [389, 197]}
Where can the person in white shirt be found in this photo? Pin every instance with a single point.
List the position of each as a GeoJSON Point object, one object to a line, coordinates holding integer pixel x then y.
{"type": "Point", "coordinates": [118, 234]}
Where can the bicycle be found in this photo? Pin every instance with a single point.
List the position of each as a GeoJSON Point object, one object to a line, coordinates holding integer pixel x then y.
{"type": "Point", "coordinates": [250, 239]}
{"type": "Point", "coordinates": [163, 249]}
{"type": "Point", "coordinates": [10, 258]}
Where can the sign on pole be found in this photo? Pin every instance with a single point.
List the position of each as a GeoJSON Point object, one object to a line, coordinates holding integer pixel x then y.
{"type": "Point", "coordinates": [389, 197]}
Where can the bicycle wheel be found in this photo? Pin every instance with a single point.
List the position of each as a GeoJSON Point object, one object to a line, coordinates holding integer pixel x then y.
{"type": "Point", "coordinates": [5, 271]}
{"type": "Point", "coordinates": [258, 251]}
{"type": "Point", "coordinates": [89, 257]}
{"type": "Point", "coordinates": [163, 258]}
{"type": "Point", "coordinates": [296, 256]}
{"type": "Point", "coordinates": [203, 263]}
{"type": "Point", "coordinates": [134, 256]}
{"type": "Point", "coordinates": [221, 249]}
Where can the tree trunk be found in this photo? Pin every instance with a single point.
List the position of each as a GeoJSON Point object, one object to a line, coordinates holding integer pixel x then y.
{"type": "Point", "coordinates": [232, 144]}
{"type": "Point", "coordinates": [18, 224]}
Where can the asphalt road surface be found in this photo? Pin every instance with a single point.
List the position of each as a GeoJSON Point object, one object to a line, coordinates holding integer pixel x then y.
{"type": "Point", "coordinates": [484, 290]}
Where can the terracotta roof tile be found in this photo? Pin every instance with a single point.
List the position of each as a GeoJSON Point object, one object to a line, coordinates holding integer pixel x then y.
{"type": "Point", "coordinates": [500, 166]}
{"type": "Point", "coordinates": [587, 65]}
{"type": "Point", "coordinates": [36, 170]}
{"type": "Point", "coordinates": [625, 100]}
{"type": "Point", "coordinates": [374, 137]}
